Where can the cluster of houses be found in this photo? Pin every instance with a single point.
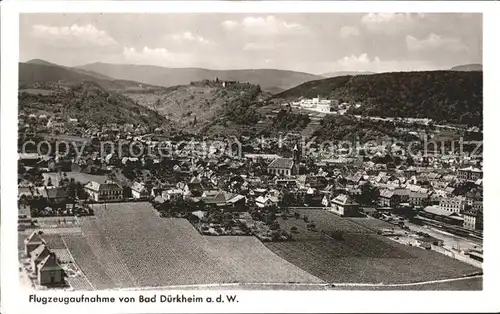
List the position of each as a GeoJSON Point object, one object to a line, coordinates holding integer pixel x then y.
{"type": "Point", "coordinates": [262, 180]}
{"type": "Point", "coordinates": [43, 264]}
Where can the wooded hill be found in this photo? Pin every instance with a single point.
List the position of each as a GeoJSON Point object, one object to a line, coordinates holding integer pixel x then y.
{"type": "Point", "coordinates": [89, 103]}
{"type": "Point", "coordinates": [444, 96]}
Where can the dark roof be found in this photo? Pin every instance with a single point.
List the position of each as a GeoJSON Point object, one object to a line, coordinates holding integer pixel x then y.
{"type": "Point", "coordinates": [472, 212]}
{"type": "Point", "coordinates": [40, 252]}
{"type": "Point", "coordinates": [34, 238]}
{"type": "Point", "coordinates": [281, 163]}
{"type": "Point", "coordinates": [49, 263]}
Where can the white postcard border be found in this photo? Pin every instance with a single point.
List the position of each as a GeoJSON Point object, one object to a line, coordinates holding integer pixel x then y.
{"type": "Point", "coordinates": [15, 301]}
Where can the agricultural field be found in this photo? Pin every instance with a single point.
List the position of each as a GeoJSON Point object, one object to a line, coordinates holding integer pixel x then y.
{"type": "Point", "coordinates": [171, 250]}
{"type": "Point", "coordinates": [124, 239]}
{"type": "Point", "coordinates": [88, 263]}
{"type": "Point", "coordinates": [252, 262]}
{"type": "Point", "coordinates": [360, 256]}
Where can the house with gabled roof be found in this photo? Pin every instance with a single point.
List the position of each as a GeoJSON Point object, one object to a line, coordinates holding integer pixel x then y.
{"type": "Point", "coordinates": [32, 242]}
{"type": "Point", "coordinates": [38, 255]}
{"type": "Point", "coordinates": [343, 205]}
{"type": "Point", "coordinates": [139, 190]}
{"type": "Point", "coordinates": [50, 272]}
{"type": "Point", "coordinates": [263, 202]}
{"type": "Point", "coordinates": [107, 191]}
{"type": "Point", "coordinates": [388, 198]}
{"type": "Point", "coordinates": [282, 166]}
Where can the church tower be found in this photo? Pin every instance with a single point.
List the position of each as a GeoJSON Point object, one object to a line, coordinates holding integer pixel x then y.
{"type": "Point", "coordinates": [296, 160]}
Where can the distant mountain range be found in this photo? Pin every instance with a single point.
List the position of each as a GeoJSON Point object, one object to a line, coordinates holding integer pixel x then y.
{"type": "Point", "coordinates": [269, 79]}
{"type": "Point", "coordinates": [468, 67]}
{"type": "Point", "coordinates": [344, 73]}
{"type": "Point", "coordinates": [36, 71]}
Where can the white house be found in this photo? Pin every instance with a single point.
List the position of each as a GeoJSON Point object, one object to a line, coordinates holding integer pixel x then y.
{"type": "Point", "coordinates": [263, 202]}
{"type": "Point", "coordinates": [104, 191]}
{"type": "Point", "coordinates": [139, 190]}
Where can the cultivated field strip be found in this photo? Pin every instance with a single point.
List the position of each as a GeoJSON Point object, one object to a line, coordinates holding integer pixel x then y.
{"type": "Point", "coordinates": [170, 250]}
{"type": "Point", "coordinates": [252, 262]}
{"type": "Point", "coordinates": [79, 284]}
{"type": "Point", "coordinates": [88, 263]}
{"type": "Point", "coordinates": [106, 254]}
{"type": "Point", "coordinates": [361, 256]}
{"type": "Point", "coordinates": [63, 255]}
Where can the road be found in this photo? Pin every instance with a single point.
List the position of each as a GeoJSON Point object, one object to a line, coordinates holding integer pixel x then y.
{"type": "Point", "coordinates": [304, 286]}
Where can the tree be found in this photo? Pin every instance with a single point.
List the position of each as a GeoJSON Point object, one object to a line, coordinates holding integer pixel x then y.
{"type": "Point", "coordinates": [369, 194]}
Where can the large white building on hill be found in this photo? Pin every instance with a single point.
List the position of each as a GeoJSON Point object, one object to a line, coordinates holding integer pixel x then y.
{"type": "Point", "coordinates": [317, 104]}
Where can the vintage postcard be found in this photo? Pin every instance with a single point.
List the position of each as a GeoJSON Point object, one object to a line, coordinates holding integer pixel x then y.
{"type": "Point", "coordinates": [168, 157]}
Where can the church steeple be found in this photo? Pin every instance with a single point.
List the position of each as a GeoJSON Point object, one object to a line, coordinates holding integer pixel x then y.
{"type": "Point", "coordinates": [296, 159]}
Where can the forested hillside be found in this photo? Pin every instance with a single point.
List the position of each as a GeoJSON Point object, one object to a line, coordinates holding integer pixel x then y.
{"type": "Point", "coordinates": [88, 102]}
{"type": "Point", "coordinates": [444, 96]}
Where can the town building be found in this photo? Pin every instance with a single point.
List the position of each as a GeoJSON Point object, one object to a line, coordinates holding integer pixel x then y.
{"type": "Point", "coordinates": [453, 204]}
{"type": "Point", "coordinates": [281, 167]}
{"type": "Point", "coordinates": [50, 272]}
{"type": "Point", "coordinates": [263, 202]}
{"type": "Point", "coordinates": [139, 190]}
{"type": "Point", "coordinates": [285, 166]}
{"type": "Point", "coordinates": [470, 174]}
{"type": "Point", "coordinates": [38, 255]}
{"type": "Point", "coordinates": [418, 199]}
{"type": "Point", "coordinates": [439, 214]}
{"type": "Point", "coordinates": [172, 194]}
{"type": "Point", "coordinates": [388, 198]}
{"type": "Point", "coordinates": [32, 242]}
{"type": "Point", "coordinates": [343, 205]}
{"type": "Point", "coordinates": [108, 191]}
{"type": "Point", "coordinates": [473, 220]}
{"type": "Point", "coordinates": [317, 104]}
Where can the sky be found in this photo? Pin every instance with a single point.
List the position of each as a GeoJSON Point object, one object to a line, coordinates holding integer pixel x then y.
{"type": "Point", "coordinates": [314, 42]}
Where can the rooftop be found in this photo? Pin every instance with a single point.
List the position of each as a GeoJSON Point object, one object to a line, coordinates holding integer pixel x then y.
{"type": "Point", "coordinates": [281, 163]}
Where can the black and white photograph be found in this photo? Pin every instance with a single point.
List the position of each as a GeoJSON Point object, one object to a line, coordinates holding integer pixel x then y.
{"type": "Point", "coordinates": [249, 151]}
